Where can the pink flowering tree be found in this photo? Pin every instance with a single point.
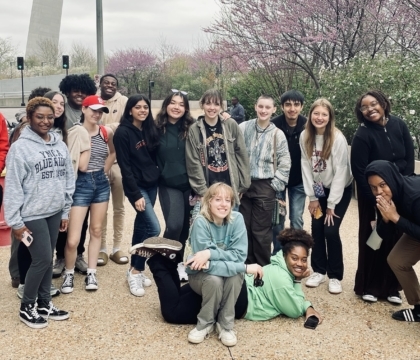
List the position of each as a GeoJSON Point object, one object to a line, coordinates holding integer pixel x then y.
{"type": "Point", "coordinates": [315, 35]}
{"type": "Point", "coordinates": [134, 68]}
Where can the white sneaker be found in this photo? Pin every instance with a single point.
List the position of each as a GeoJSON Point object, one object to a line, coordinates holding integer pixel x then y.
{"type": "Point", "coordinates": [334, 287]}
{"type": "Point", "coordinates": [197, 336]}
{"type": "Point", "coordinates": [68, 283]}
{"type": "Point", "coordinates": [135, 282]}
{"type": "Point", "coordinates": [369, 298]}
{"type": "Point", "coordinates": [227, 337]}
{"type": "Point", "coordinates": [315, 279]}
{"type": "Point", "coordinates": [146, 281]}
{"type": "Point", "coordinates": [394, 299]}
{"type": "Point", "coordinates": [20, 290]}
{"type": "Point", "coordinates": [183, 276]}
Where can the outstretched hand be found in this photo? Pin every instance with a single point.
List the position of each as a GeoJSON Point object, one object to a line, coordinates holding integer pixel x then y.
{"type": "Point", "coordinates": [310, 311]}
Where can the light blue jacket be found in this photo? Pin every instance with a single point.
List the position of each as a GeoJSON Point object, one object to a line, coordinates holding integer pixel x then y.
{"type": "Point", "coordinates": [228, 245]}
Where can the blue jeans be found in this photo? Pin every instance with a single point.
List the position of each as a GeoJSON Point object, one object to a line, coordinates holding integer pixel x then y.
{"type": "Point", "coordinates": [297, 199]}
{"type": "Point", "coordinates": [91, 188]}
{"type": "Point", "coordinates": [146, 225]}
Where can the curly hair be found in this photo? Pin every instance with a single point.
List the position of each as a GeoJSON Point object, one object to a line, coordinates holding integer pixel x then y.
{"type": "Point", "coordinates": [81, 82]}
{"type": "Point", "coordinates": [60, 122]}
{"type": "Point", "coordinates": [35, 103]}
{"type": "Point", "coordinates": [290, 238]}
{"type": "Point", "coordinates": [185, 121]}
{"type": "Point", "coordinates": [39, 91]}
{"type": "Point", "coordinates": [380, 97]}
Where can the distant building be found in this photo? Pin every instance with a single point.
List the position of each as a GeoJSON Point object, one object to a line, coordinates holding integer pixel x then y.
{"type": "Point", "coordinates": [44, 28]}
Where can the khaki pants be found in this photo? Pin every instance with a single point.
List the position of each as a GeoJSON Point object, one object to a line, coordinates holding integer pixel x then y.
{"type": "Point", "coordinates": [219, 298]}
{"type": "Point", "coordinates": [117, 192]}
{"type": "Point", "coordinates": [402, 258]}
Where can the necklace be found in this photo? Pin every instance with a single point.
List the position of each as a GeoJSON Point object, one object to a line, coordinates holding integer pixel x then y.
{"type": "Point", "coordinates": [258, 132]}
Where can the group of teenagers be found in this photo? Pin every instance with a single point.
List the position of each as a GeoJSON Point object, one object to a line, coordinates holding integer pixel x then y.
{"type": "Point", "coordinates": [237, 176]}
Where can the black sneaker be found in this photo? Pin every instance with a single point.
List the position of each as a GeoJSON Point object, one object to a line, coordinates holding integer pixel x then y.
{"type": "Point", "coordinates": [406, 315]}
{"type": "Point", "coordinates": [28, 314]}
{"type": "Point", "coordinates": [91, 282]}
{"type": "Point", "coordinates": [165, 247]}
{"type": "Point", "coordinates": [47, 310]}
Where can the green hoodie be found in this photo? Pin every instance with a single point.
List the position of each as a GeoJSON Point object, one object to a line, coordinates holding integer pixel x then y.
{"type": "Point", "coordinates": [171, 159]}
{"type": "Point", "coordinates": [278, 296]}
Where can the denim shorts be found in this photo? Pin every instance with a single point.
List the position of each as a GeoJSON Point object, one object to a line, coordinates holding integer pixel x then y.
{"type": "Point", "coordinates": [91, 188]}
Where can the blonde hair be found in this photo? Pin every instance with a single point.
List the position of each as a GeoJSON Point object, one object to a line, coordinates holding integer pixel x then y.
{"type": "Point", "coordinates": [214, 190]}
{"type": "Point", "coordinates": [329, 134]}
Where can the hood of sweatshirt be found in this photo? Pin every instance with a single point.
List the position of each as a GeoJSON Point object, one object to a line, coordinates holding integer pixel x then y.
{"type": "Point", "coordinates": [29, 134]}
{"type": "Point", "coordinates": [125, 123]}
{"type": "Point", "coordinates": [278, 259]}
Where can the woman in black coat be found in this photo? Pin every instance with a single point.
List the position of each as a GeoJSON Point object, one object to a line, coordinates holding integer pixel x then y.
{"type": "Point", "coordinates": [398, 201]}
{"type": "Point", "coordinates": [380, 136]}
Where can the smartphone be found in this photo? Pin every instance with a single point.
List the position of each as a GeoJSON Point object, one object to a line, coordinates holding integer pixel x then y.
{"type": "Point", "coordinates": [27, 238]}
{"type": "Point", "coordinates": [318, 213]}
{"type": "Point", "coordinates": [311, 322]}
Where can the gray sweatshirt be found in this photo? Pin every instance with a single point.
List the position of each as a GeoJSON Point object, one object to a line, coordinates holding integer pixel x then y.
{"type": "Point", "coordinates": [39, 179]}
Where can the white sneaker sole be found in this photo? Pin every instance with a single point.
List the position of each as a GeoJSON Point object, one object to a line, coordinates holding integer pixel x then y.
{"type": "Point", "coordinates": [91, 287]}
{"type": "Point", "coordinates": [335, 292]}
{"type": "Point", "coordinates": [312, 285]}
{"type": "Point", "coordinates": [56, 318]}
{"type": "Point", "coordinates": [33, 326]}
{"type": "Point", "coordinates": [67, 290]}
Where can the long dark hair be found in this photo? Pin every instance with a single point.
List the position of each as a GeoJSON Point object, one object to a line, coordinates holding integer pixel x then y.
{"type": "Point", "coordinates": [60, 122]}
{"type": "Point", "coordinates": [149, 128]}
{"type": "Point", "coordinates": [184, 122]}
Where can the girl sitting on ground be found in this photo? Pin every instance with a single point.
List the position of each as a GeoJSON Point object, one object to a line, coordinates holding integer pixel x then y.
{"type": "Point", "coordinates": [280, 294]}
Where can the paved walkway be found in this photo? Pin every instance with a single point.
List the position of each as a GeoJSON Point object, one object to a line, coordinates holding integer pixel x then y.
{"type": "Point", "coordinates": [113, 324]}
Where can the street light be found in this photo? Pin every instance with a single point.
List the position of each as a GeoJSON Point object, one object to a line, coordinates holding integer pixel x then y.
{"type": "Point", "coordinates": [42, 68]}
{"type": "Point", "coordinates": [11, 69]}
{"type": "Point", "coordinates": [151, 84]}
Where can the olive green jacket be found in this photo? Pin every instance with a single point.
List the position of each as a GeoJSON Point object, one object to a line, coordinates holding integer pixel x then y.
{"type": "Point", "coordinates": [236, 154]}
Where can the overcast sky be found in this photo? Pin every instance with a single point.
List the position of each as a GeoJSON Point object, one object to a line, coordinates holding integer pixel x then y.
{"type": "Point", "coordinates": [127, 23]}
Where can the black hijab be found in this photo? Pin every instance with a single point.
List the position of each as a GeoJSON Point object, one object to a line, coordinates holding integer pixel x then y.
{"type": "Point", "coordinates": [405, 189]}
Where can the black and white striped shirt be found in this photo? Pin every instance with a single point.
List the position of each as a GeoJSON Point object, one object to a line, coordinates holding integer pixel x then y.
{"type": "Point", "coordinates": [98, 153]}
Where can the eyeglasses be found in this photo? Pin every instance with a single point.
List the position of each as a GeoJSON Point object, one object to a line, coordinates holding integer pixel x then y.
{"type": "Point", "coordinates": [176, 91]}
{"type": "Point", "coordinates": [365, 108]}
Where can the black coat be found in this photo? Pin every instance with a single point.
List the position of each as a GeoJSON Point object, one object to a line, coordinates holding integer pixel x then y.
{"type": "Point", "coordinates": [391, 142]}
{"type": "Point", "coordinates": [295, 175]}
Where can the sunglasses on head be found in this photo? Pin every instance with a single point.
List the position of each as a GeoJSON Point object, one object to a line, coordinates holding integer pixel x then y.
{"type": "Point", "coordinates": [176, 91]}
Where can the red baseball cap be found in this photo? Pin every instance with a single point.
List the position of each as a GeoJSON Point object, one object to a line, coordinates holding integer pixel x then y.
{"type": "Point", "coordinates": [95, 103]}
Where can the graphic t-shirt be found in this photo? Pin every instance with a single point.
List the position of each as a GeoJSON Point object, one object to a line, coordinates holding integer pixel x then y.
{"type": "Point", "coordinates": [216, 154]}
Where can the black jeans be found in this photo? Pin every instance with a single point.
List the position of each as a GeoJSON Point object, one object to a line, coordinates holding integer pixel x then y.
{"type": "Point", "coordinates": [181, 305]}
{"type": "Point", "coordinates": [327, 253]}
{"type": "Point", "coordinates": [176, 212]}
